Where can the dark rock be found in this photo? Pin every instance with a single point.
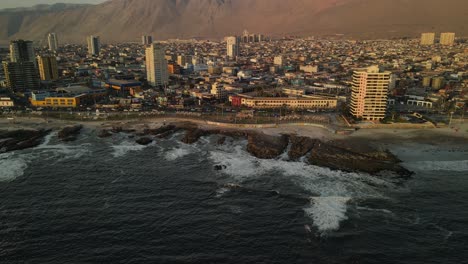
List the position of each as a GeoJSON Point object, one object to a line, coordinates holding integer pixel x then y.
{"type": "Point", "coordinates": [104, 133]}
{"type": "Point", "coordinates": [265, 146]}
{"type": "Point", "coordinates": [366, 149]}
{"type": "Point", "coordinates": [220, 167]}
{"type": "Point", "coordinates": [116, 130]}
{"type": "Point", "coordinates": [21, 139]}
{"type": "Point", "coordinates": [70, 133]}
{"type": "Point", "coordinates": [193, 135]}
{"type": "Point", "coordinates": [334, 157]}
{"type": "Point", "coordinates": [221, 140]}
{"type": "Point", "coordinates": [300, 146]}
{"type": "Point", "coordinates": [163, 131]}
{"type": "Point", "coordinates": [144, 141]}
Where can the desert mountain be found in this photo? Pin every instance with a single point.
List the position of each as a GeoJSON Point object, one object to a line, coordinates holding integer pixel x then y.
{"type": "Point", "coordinates": [127, 20]}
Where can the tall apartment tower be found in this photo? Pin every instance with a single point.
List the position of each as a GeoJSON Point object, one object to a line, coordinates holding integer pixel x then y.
{"type": "Point", "coordinates": [21, 76]}
{"type": "Point", "coordinates": [146, 40]}
{"type": "Point", "coordinates": [232, 47]}
{"type": "Point", "coordinates": [22, 51]}
{"type": "Point", "coordinates": [48, 70]}
{"type": "Point", "coordinates": [427, 38]}
{"type": "Point", "coordinates": [447, 38]}
{"type": "Point", "coordinates": [20, 71]}
{"type": "Point", "coordinates": [156, 65]}
{"type": "Point", "coordinates": [94, 45]}
{"type": "Point", "coordinates": [53, 42]}
{"type": "Point", "coordinates": [369, 93]}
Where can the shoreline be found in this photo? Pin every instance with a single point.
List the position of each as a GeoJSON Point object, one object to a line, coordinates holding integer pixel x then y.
{"type": "Point", "coordinates": [433, 136]}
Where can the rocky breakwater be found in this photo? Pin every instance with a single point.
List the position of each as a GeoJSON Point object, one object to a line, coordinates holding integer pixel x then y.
{"type": "Point", "coordinates": [338, 155]}
{"type": "Point", "coordinates": [21, 139]}
{"type": "Point", "coordinates": [70, 133]}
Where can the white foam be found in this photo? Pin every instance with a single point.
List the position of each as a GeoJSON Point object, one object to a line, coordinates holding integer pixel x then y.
{"type": "Point", "coordinates": [331, 189]}
{"type": "Point", "coordinates": [61, 150]}
{"type": "Point", "coordinates": [11, 166]}
{"type": "Point", "coordinates": [450, 165]}
{"type": "Point", "coordinates": [177, 153]}
{"type": "Point", "coordinates": [327, 212]}
{"type": "Point", "coordinates": [221, 191]}
{"type": "Point", "coordinates": [47, 139]}
{"type": "Point", "coordinates": [125, 147]}
{"type": "Point", "coordinates": [364, 208]}
{"type": "Point", "coordinates": [237, 162]}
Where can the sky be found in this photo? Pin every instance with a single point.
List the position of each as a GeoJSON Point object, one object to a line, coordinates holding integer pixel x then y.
{"type": "Point", "coordinates": [24, 3]}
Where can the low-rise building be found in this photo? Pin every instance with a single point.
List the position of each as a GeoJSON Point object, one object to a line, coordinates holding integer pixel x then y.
{"type": "Point", "coordinates": [73, 96]}
{"type": "Point", "coordinates": [6, 102]}
{"type": "Point", "coordinates": [304, 102]}
{"type": "Point", "coordinates": [122, 87]}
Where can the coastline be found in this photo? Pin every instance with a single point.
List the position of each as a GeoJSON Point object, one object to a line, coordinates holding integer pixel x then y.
{"type": "Point", "coordinates": [433, 136]}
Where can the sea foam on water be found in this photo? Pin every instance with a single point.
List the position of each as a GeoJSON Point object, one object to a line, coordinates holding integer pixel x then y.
{"type": "Point", "coordinates": [330, 190]}
{"type": "Point", "coordinates": [12, 166]}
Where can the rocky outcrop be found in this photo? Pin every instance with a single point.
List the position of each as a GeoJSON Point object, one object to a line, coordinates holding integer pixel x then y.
{"type": "Point", "coordinates": [162, 132]}
{"type": "Point", "coordinates": [265, 146]}
{"type": "Point", "coordinates": [351, 155]}
{"type": "Point", "coordinates": [144, 141]}
{"type": "Point", "coordinates": [300, 146]}
{"type": "Point", "coordinates": [116, 130]}
{"type": "Point", "coordinates": [339, 158]}
{"type": "Point", "coordinates": [104, 133]}
{"type": "Point", "coordinates": [193, 135]}
{"type": "Point", "coordinates": [21, 139]}
{"type": "Point", "coordinates": [70, 133]}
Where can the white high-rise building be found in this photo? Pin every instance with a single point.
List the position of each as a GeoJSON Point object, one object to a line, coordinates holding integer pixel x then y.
{"type": "Point", "coordinates": [94, 45]}
{"type": "Point", "coordinates": [447, 38]}
{"type": "Point", "coordinates": [427, 38]}
{"type": "Point", "coordinates": [369, 93]}
{"type": "Point", "coordinates": [156, 65]}
{"type": "Point", "coordinates": [232, 47]}
{"type": "Point", "coordinates": [53, 42]}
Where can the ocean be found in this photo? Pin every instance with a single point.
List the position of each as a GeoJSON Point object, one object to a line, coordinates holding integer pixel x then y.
{"type": "Point", "coordinates": [113, 201]}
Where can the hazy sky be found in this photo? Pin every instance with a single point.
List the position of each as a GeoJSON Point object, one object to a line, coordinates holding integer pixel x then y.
{"type": "Point", "coordinates": [22, 3]}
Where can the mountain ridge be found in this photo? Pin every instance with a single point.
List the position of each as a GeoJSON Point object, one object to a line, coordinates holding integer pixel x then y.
{"type": "Point", "coordinates": [127, 20]}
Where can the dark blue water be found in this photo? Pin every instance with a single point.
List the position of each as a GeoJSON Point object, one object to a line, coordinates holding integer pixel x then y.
{"type": "Point", "coordinates": [111, 201]}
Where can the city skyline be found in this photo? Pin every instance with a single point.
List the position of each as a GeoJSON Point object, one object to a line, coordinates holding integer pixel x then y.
{"type": "Point", "coordinates": [234, 131]}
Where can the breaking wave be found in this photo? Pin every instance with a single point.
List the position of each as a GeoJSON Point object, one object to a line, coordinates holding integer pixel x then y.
{"type": "Point", "coordinates": [330, 191]}
{"type": "Point", "coordinates": [176, 153]}
{"type": "Point", "coordinates": [62, 150]}
{"type": "Point", "coordinates": [11, 166]}
{"type": "Point", "coordinates": [120, 150]}
{"type": "Point", "coordinates": [327, 212]}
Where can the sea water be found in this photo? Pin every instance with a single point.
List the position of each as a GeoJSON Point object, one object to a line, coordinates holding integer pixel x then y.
{"type": "Point", "coordinates": [114, 201]}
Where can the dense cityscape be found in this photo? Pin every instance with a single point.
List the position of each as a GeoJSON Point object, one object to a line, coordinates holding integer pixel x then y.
{"type": "Point", "coordinates": [246, 78]}
{"type": "Point", "coordinates": [233, 131]}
